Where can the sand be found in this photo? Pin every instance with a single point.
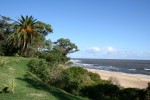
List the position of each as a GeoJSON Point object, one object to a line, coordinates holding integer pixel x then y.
{"type": "Point", "coordinates": [124, 79]}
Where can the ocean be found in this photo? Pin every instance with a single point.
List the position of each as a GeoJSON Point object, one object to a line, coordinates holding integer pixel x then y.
{"type": "Point", "coordinates": [126, 66]}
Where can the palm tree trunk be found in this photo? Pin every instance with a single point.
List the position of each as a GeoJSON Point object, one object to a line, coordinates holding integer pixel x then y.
{"type": "Point", "coordinates": [23, 48]}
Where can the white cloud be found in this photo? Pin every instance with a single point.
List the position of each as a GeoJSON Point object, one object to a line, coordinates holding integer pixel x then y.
{"type": "Point", "coordinates": [94, 49]}
{"type": "Point", "coordinates": [108, 49]}
{"type": "Point", "coordinates": [112, 52]}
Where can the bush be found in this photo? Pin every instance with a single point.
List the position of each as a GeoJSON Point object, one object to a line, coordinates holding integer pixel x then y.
{"type": "Point", "coordinates": [97, 79]}
{"type": "Point", "coordinates": [53, 57]}
{"type": "Point", "coordinates": [148, 87]}
{"type": "Point", "coordinates": [72, 79]}
{"type": "Point", "coordinates": [75, 78]}
{"type": "Point", "coordinates": [101, 92]}
{"type": "Point", "coordinates": [113, 92]}
{"type": "Point", "coordinates": [39, 68]}
{"type": "Point", "coordinates": [132, 94]}
{"type": "Point", "coordinates": [50, 73]}
{"type": "Point", "coordinates": [31, 52]}
{"type": "Point", "coordinates": [94, 76]}
{"type": "Point", "coordinates": [55, 76]}
{"type": "Point", "coordinates": [79, 81]}
{"type": "Point", "coordinates": [147, 95]}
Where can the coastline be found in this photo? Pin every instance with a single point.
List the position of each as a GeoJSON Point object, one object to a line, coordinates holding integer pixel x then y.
{"type": "Point", "coordinates": [124, 79]}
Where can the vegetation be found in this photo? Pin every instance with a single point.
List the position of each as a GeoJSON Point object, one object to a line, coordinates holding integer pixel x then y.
{"type": "Point", "coordinates": [72, 79]}
{"type": "Point", "coordinates": [79, 81]}
{"type": "Point", "coordinates": [113, 92]}
{"type": "Point", "coordinates": [23, 85]}
{"type": "Point", "coordinates": [21, 35]}
{"type": "Point", "coordinates": [24, 32]}
{"type": "Point", "coordinates": [65, 46]}
{"type": "Point", "coordinates": [76, 78]}
{"type": "Point", "coordinates": [39, 70]}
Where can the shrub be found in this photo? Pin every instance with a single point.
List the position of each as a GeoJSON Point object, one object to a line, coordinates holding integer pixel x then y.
{"type": "Point", "coordinates": [52, 56]}
{"type": "Point", "coordinates": [94, 76]}
{"type": "Point", "coordinates": [148, 87]}
{"type": "Point", "coordinates": [74, 79]}
{"type": "Point", "coordinates": [97, 79]}
{"type": "Point", "coordinates": [39, 68]}
{"type": "Point", "coordinates": [55, 76]}
{"type": "Point", "coordinates": [132, 94]}
{"type": "Point", "coordinates": [101, 92]}
{"type": "Point", "coordinates": [147, 95]}
{"type": "Point", "coordinates": [50, 73]}
{"type": "Point", "coordinates": [31, 52]}
{"type": "Point", "coordinates": [79, 81]}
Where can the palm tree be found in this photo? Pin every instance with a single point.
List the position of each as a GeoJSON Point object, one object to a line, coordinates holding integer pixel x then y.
{"type": "Point", "coordinates": [24, 32]}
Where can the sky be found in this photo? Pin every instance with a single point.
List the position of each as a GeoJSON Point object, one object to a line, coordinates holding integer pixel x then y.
{"type": "Point", "coordinates": [104, 29]}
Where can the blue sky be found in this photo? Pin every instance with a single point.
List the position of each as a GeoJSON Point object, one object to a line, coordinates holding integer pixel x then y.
{"type": "Point", "coordinates": [106, 29]}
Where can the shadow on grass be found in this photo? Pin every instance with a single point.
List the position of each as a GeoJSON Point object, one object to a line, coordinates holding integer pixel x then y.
{"type": "Point", "coordinates": [33, 82]}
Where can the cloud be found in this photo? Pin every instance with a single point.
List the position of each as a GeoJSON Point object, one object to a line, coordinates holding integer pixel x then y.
{"type": "Point", "coordinates": [108, 49]}
{"type": "Point", "coordinates": [94, 50]}
{"type": "Point", "coordinates": [112, 52]}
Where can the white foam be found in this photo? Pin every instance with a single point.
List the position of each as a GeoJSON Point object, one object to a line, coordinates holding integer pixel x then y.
{"type": "Point", "coordinates": [112, 67]}
{"type": "Point", "coordinates": [108, 68]}
{"type": "Point", "coordinates": [132, 69]}
{"type": "Point", "coordinates": [87, 65]}
{"type": "Point", "coordinates": [146, 69]}
{"type": "Point", "coordinates": [75, 61]}
{"type": "Point", "coordinates": [112, 72]}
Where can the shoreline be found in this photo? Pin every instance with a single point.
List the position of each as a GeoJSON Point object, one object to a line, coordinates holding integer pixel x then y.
{"type": "Point", "coordinates": [126, 80]}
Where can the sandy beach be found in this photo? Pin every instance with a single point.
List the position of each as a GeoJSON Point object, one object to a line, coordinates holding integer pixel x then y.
{"type": "Point", "coordinates": [124, 79]}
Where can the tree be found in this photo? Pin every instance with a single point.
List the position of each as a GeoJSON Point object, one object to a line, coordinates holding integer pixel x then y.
{"type": "Point", "coordinates": [25, 30]}
{"type": "Point", "coordinates": [65, 46]}
{"type": "Point", "coordinates": [57, 52]}
{"type": "Point", "coordinates": [4, 32]}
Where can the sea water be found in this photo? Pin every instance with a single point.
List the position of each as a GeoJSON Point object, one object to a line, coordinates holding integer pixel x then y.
{"type": "Point", "coordinates": [116, 65]}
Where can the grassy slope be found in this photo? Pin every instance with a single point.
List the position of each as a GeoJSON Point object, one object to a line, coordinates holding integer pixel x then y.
{"type": "Point", "coordinates": [27, 86]}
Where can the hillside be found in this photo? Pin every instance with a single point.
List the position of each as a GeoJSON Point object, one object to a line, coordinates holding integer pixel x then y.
{"type": "Point", "coordinates": [26, 85]}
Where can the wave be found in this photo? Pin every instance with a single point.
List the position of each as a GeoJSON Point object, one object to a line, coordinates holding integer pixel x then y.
{"type": "Point", "coordinates": [132, 69]}
{"type": "Point", "coordinates": [75, 61]}
{"type": "Point", "coordinates": [111, 68]}
{"type": "Point", "coordinates": [147, 69]}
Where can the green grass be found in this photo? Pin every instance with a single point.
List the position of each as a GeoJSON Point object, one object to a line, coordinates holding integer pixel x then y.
{"type": "Point", "coordinates": [26, 85]}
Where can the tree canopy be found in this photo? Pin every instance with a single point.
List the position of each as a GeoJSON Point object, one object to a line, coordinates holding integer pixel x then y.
{"type": "Point", "coordinates": [23, 33]}
{"type": "Point", "coordinates": [26, 37]}
{"type": "Point", "coordinates": [65, 46]}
